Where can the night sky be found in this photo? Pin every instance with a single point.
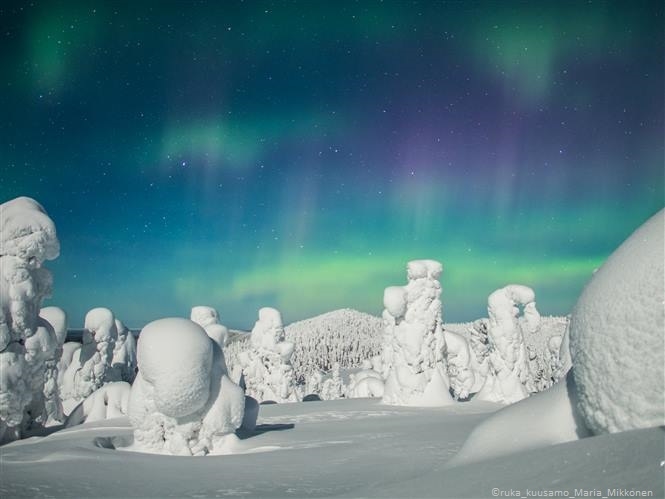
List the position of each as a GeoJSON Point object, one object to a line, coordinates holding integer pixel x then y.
{"type": "Point", "coordinates": [298, 154]}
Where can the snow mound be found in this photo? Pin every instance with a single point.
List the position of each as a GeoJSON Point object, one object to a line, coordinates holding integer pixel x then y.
{"type": "Point", "coordinates": [616, 336]}
{"type": "Point", "coordinates": [544, 419]}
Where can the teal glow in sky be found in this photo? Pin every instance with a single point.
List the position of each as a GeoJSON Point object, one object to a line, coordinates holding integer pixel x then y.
{"type": "Point", "coordinates": [298, 154]}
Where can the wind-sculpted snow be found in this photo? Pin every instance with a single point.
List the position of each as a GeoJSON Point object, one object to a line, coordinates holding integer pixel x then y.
{"type": "Point", "coordinates": [617, 335]}
{"type": "Point", "coordinates": [266, 365]}
{"type": "Point", "coordinates": [27, 239]}
{"type": "Point", "coordinates": [414, 343]}
{"type": "Point", "coordinates": [182, 401]}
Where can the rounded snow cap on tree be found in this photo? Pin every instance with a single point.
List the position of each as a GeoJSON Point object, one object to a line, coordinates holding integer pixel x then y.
{"type": "Point", "coordinates": [204, 316]}
{"type": "Point", "coordinates": [27, 231]}
{"type": "Point", "coordinates": [100, 325]}
{"type": "Point", "coordinates": [616, 336]}
{"type": "Point", "coordinates": [175, 357]}
{"type": "Point", "coordinates": [419, 269]}
{"type": "Point", "coordinates": [394, 299]}
{"type": "Point", "coordinates": [57, 318]}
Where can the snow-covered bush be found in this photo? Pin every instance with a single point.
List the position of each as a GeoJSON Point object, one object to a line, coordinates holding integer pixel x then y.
{"type": "Point", "coordinates": [27, 239]}
{"type": "Point", "coordinates": [266, 366]}
{"type": "Point", "coordinates": [617, 336]}
{"type": "Point", "coordinates": [90, 367]}
{"type": "Point", "coordinates": [208, 319]}
{"type": "Point", "coordinates": [57, 318]}
{"type": "Point", "coordinates": [414, 344]}
{"type": "Point", "coordinates": [123, 362]}
{"type": "Point", "coordinates": [109, 401]}
{"type": "Point", "coordinates": [182, 401]}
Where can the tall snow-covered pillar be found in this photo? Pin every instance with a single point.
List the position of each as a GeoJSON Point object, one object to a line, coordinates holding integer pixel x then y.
{"type": "Point", "coordinates": [414, 346]}
{"type": "Point", "coordinates": [27, 239]}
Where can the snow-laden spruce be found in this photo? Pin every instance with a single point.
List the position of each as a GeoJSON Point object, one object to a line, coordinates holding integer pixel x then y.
{"type": "Point", "coordinates": [123, 362]}
{"type": "Point", "coordinates": [508, 375]}
{"type": "Point", "coordinates": [90, 366]}
{"type": "Point", "coordinates": [57, 318]}
{"type": "Point", "coordinates": [345, 336]}
{"type": "Point", "coordinates": [617, 378]}
{"type": "Point", "coordinates": [27, 239]}
{"type": "Point", "coordinates": [266, 366]}
{"type": "Point", "coordinates": [208, 319]}
{"type": "Point", "coordinates": [182, 401]}
{"type": "Point", "coordinates": [414, 344]}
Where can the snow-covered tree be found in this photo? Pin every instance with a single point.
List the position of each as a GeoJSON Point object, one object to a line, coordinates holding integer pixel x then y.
{"type": "Point", "coordinates": [460, 368]}
{"type": "Point", "coordinates": [57, 318]}
{"type": "Point", "coordinates": [124, 355]}
{"type": "Point", "coordinates": [182, 401]}
{"type": "Point", "coordinates": [208, 319]}
{"type": "Point", "coordinates": [27, 239]}
{"type": "Point", "coordinates": [345, 336]}
{"type": "Point", "coordinates": [414, 344]}
{"type": "Point", "coordinates": [90, 367]}
{"type": "Point", "coordinates": [509, 373]}
{"type": "Point", "coordinates": [267, 370]}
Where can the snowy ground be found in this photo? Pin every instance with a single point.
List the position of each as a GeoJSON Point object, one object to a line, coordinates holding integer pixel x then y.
{"type": "Point", "coordinates": [341, 448]}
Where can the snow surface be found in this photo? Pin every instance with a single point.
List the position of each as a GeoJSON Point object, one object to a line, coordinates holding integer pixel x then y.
{"type": "Point", "coordinates": [617, 334]}
{"type": "Point", "coordinates": [342, 448]}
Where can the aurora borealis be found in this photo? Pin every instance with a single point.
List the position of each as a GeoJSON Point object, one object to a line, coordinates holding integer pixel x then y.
{"type": "Point", "coordinates": [298, 154]}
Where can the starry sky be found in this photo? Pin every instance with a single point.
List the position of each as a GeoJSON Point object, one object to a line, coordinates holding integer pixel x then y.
{"type": "Point", "coordinates": [298, 154]}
